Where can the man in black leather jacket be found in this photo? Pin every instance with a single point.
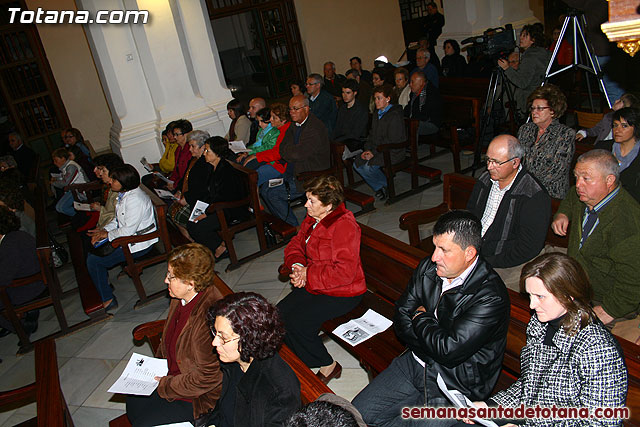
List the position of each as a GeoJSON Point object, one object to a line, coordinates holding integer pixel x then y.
{"type": "Point", "coordinates": [453, 317]}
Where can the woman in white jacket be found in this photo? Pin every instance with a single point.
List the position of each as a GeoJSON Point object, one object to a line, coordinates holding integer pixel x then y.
{"type": "Point", "coordinates": [134, 215]}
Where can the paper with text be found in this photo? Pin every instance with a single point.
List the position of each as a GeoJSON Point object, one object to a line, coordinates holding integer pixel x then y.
{"type": "Point", "coordinates": [198, 209]}
{"type": "Point", "coordinates": [137, 377]}
{"type": "Point", "coordinates": [461, 401]}
{"type": "Point", "coordinates": [361, 329]}
{"type": "Point", "coordinates": [238, 147]}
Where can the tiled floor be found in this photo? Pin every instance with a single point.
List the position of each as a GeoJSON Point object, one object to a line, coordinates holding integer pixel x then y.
{"type": "Point", "coordinates": [90, 360]}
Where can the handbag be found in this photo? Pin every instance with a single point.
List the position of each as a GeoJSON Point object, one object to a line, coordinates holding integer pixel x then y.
{"type": "Point", "coordinates": [59, 255]}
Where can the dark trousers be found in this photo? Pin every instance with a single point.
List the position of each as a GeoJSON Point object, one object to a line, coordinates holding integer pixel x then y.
{"type": "Point", "coordinates": [303, 314]}
{"type": "Point", "coordinates": [154, 410]}
{"type": "Point", "coordinates": [402, 384]}
{"type": "Point", "coordinates": [205, 232]}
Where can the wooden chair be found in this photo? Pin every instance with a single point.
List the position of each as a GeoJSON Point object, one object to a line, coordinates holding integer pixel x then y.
{"type": "Point", "coordinates": [47, 275]}
{"type": "Point", "coordinates": [133, 266]}
{"type": "Point", "coordinates": [459, 112]}
{"type": "Point", "coordinates": [588, 120]}
{"type": "Point", "coordinates": [410, 164]}
{"type": "Point", "coordinates": [51, 406]}
{"type": "Point", "coordinates": [456, 191]}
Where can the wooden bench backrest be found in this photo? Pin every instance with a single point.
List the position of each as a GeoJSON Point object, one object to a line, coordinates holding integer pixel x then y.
{"type": "Point", "coordinates": [160, 209]}
{"type": "Point", "coordinates": [387, 263]}
{"type": "Point", "coordinates": [588, 120]}
{"type": "Point", "coordinates": [457, 189]}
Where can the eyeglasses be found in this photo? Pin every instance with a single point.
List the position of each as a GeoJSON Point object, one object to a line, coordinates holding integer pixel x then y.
{"type": "Point", "coordinates": [538, 109]}
{"type": "Point", "coordinates": [170, 277]}
{"type": "Point", "coordinates": [311, 84]}
{"type": "Point", "coordinates": [297, 108]}
{"type": "Point", "coordinates": [222, 340]}
{"type": "Point", "coordinates": [498, 163]}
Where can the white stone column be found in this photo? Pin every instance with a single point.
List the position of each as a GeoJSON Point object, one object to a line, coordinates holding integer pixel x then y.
{"type": "Point", "coordinates": [157, 72]}
{"type": "Point", "coordinates": [466, 18]}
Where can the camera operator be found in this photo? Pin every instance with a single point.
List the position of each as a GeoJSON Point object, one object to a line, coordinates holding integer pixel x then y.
{"type": "Point", "coordinates": [533, 64]}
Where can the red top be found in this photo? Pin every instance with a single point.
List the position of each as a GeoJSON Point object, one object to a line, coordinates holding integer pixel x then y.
{"type": "Point", "coordinates": [174, 328]}
{"type": "Point", "coordinates": [565, 53]}
{"type": "Point", "coordinates": [183, 156]}
{"type": "Point", "coordinates": [273, 154]}
{"type": "Point", "coordinates": [331, 255]}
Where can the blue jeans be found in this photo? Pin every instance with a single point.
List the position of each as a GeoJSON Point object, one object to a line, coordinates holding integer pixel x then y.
{"type": "Point", "coordinates": [613, 89]}
{"type": "Point", "coordinates": [276, 200]}
{"type": "Point", "coordinates": [98, 267]}
{"type": "Point", "coordinates": [400, 385]}
{"type": "Point", "coordinates": [65, 204]}
{"type": "Point", "coordinates": [267, 172]}
{"type": "Point", "coordinates": [372, 175]}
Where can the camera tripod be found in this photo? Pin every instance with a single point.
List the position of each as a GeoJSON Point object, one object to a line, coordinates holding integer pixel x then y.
{"type": "Point", "coordinates": [578, 23]}
{"type": "Point", "coordinates": [499, 86]}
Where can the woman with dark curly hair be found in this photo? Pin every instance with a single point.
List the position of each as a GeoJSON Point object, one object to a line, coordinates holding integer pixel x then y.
{"type": "Point", "coordinates": [258, 388]}
{"type": "Point", "coordinates": [326, 273]}
{"type": "Point", "coordinates": [549, 145]}
{"type": "Point", "coordinates": [297, 87]}
{"type": "Point", "coordinates": [453, 64]}
{"type": "Point", "coordinates": [191, 388]}
{"type": "Point", "coordinates": [533, 64]}
{"type": "Point", "coordinates": [570, 359]}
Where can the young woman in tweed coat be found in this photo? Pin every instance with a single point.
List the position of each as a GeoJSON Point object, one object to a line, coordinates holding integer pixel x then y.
{"type": "Point", "coordinates": [570, 358]}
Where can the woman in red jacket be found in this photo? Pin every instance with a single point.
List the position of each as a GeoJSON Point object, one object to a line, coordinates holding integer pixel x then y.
{"type": "Point", "coordinates": [326, 272]}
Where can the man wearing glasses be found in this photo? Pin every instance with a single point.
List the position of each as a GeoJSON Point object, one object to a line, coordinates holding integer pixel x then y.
{"type": "Point", "coordinates": [514, 208]}
{"type": "Point", "coordinates": [305, 147]}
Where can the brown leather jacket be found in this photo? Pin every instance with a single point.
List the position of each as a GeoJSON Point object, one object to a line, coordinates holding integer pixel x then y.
{"type": "Point", "coordinates": [200, 379]}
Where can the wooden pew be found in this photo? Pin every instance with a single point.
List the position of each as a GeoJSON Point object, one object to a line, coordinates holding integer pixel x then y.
{"type": "Point", "coordinates": [388, 265]}
{"type": "Point", "coordinates": [52, 410]}
{"type": "Point", "coordinates": [310, 385]}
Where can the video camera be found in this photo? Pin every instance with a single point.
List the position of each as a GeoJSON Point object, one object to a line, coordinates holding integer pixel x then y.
{"type": "Point", "coordinates": [494, 43]}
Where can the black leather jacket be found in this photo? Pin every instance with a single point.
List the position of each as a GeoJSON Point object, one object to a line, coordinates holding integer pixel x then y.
{"type": "Point", "coordinates": [466, 342]}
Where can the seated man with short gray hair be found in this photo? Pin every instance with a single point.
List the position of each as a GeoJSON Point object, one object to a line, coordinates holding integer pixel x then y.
{"type": "Point", "coordinates": [604, 224]}
{"type": "Point", "coordinates": [514, 208]}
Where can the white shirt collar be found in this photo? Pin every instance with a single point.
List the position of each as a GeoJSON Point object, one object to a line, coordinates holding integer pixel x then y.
{"type": "Point", "coordinates": [446, 284]}
{"type": "Point", "coordinates": [185, 302]}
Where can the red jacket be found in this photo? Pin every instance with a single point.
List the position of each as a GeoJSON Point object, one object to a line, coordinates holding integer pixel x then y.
{"type": "Point", "coordinates": [332, 254]}
{"type": "Point", "coordinates": [272, 155]}
{"type": "Point", "coordinates": [183, 156]}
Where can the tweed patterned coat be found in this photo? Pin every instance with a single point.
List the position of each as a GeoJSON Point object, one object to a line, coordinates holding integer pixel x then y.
{"type": "Point", "coordinates": [549, 160]}
{"type": "Point", "coordinates": [584, 370]}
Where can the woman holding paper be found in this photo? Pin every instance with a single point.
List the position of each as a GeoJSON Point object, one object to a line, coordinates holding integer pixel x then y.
{"type": "Point", "coordinates": [191, 388]}
{"type": "Point", "coordinates": [326, 272]}
{"type": "Point", "coordinates": [570, 358]}
{"type": "Point", "coordinates": [225, 185]}
{"type": "Point", "coordinates": [258, 388]}
{"type": "Point", "coordinates": [193, 186]}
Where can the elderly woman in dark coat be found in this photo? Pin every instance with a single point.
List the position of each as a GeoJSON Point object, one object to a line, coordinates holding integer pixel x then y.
{"type": "Point", "coordinates": [549, 145]}
{"type": "Point", "coordinates": [387, 127]}
{"type": "Point", "coordinates": [570, 358]}
{"type": "Point", "coordinates": [259, 389]}
{"type": "Point", "coordinates": [193, 186]}
{"type": "Point", "coordinates": [225, 185]}
{"type": "Point", "coordinates": [191, 388]}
